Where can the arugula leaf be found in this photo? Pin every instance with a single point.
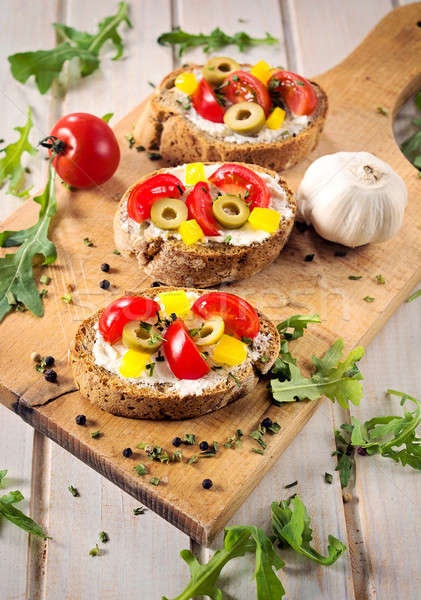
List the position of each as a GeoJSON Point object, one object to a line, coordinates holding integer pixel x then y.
{"type": "Point", "coordinates": [345, 453]}
{"type": "Point", "coordinates": [47, 65]}
{"type": "Point", "coordinates": [16, 274]}
{"type": "Point", "coordinates": [337, 380]}
{"type": "Point", "coordinates": [3, 474]}
{"type": "Point", "coordinates": [237, 542]}
{"type": "Point", "coordinates": [292, 527]}
{"type": "Point", "coordinates": [411, 147]}
{"type": "Point", "coordinates": [10, 165]}
{"type": "Point", "coordinates": [215, 40]}
{"type": "Point", "coordinates": [16, 516]}
{"type": "Point", "coordinates": [297, 323]}
{"type": "Point", "coordinates": [391, 436]}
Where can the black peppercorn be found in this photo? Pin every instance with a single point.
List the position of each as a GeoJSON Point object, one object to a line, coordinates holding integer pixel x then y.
{"type": "Point", "coordinates": [266, 422]}
{"type": "Point", "coordinates": [127, 452]}
{"type": "Point", "coordinates": [308, 257]}
{"type": "Point", "coordinates": [80, 420]}
{"type": "Point", "coordinates": [50, 375]}
{"type": "Point", "coordinates": [104, 284]}
{"type": "Point", "coordinates": [49, 361]}
{"type": "Point", "coordinates": [105, 267]}
{"type": "Point", "coordinates": [207, 484]}
{"type": "Point", "coordinates": [176, 442]}
{"type": "Point", "coordinates": [203, 445]}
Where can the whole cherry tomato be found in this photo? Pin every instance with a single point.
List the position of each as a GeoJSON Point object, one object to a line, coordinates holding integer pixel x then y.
{"type": "Point", "coordinates": [295, 92]}
{"type": "Point", "coordinates": [233, 178]}
{"type": "Point", "coordinates": [242, 86]}
{"type": "Point", "coordinates": [89, 154]}
{"type": "Point", "coordinates": [122, 311]}
{"type": "Point", "coordinates": [199, 204]}
{"type": "Point", "coordinates": [239, 316]}
{"type": "Point", "coordinates": [206, 104]}
{"type": "Point", "coordinates": [142, 196]}
{"type": "Point", "coordinates": [182, 354]}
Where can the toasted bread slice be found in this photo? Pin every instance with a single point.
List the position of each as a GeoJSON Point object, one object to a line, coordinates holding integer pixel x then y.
{"type": "Point", "coordinates": [201, 265]}
{"type": "Point", "coordinates": [163, 127]}
{"type": "Point", "coordinates": [159, 401]}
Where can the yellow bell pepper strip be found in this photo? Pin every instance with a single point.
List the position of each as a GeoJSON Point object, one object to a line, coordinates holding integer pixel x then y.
{"type": "Point", "coordinates": [190, 232]}
{"type": "Point", "coordinates": [186, 83]}
{"type": "Point", "coordinates": [276, 118]}
{"type": "Point", "coordinates": [230, 351]}
{"type": "Point", "coordinates": [175, 302]}
{"type": "Point", "coordinates": [265, 219]}
{"type": "Point", "coordinates": [195, 172]}
{"type": "Point", "coordinates": [133, 363]}
{"type": "Point", "coordinates": [262, 70]}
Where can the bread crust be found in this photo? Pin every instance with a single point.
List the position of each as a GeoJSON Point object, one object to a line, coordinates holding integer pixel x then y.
{"type": "Point", "coordinates": [112, 394]}
{"type": "Point", "coordinates": [163, 128]}
{"type": "Point", "coordinates": [199, 265]}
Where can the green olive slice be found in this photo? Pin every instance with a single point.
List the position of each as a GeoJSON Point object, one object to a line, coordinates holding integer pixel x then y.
{"type": "Point", "coordinates": [141, 336]}
{"type": "Point", "coordinates": [168, 213]}
{"type": "Point", "coordinates": [230, 211]}
{"type": "Point", "coordinates": [245, 118]}
{"type": "Point", "coordinates": [211, 331]}
{"type": "Point", "coordinates": [218, 68]}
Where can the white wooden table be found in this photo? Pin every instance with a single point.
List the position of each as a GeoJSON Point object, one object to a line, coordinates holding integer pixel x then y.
{"type": "Point", "coordinates": [381, 525]}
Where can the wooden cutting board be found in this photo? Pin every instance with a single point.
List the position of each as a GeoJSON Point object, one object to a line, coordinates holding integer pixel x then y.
{"type": "Point", "coordinates": [384, 70]}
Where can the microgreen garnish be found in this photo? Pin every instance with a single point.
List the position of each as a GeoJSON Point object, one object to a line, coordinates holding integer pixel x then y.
{"type": "Point", "coordinates": [355, 277]}
{"type": "Point", "coordinates": [215, 40]}
{"type": "Point", "coordinates": [73, 491]}
{"type": "Point", "coordinates": [94, 551]}
{"type": "Point", "coordinates": [155, 481]}
{"type": "Point", "coordinates": [368, 299]}
{"type": "Point", "coordinates": [150, 367]}
{"type": "Point", "coordinates": [382, 111]}
{"type": "Point", "coordinates": [234, 440]}
{"type": "Point", "coordinates": [380, 279]}
{"type": "Point", "coordinates": [46, 65]}
{"type": "Point", "coordinates": [328, 477]}
{"type": "Point", "coordinates": [227, 239]}
{"type": "Point", "coordinates": [95, 434]}
{"type": "Point", "coordinates": [140, 469]}
{"type": "Point", "coordinates": [257, 435]}
{"type": "Point", "coordinates": [103, 537]}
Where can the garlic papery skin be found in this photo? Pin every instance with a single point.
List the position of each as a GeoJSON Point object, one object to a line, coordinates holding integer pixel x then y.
{"type": "Point", "coordinates": [352, 198]}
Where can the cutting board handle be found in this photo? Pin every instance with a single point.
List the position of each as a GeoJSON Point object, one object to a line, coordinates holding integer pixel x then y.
{"type": "Point", "coordinates": [386, 66]}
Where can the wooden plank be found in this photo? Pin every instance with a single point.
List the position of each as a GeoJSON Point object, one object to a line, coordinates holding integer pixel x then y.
{"type": "Point", "coordinates": [319, 288]}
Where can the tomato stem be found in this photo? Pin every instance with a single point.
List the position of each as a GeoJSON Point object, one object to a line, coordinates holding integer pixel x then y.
{"type": "Point", "coordinates": [54, 144]}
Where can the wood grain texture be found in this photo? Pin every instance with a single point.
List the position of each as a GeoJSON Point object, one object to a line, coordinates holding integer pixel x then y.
{"type": "Point", "coordinates": [320, 288]}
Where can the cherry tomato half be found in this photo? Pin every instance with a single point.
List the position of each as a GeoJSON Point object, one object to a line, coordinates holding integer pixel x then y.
{"type": "Point", "coordinates": [146, 193]}
{"type": "Point", "coordinates": [121, 311]}
{"type": "Point", "coordinates": [242, 86]}
{"type": "Point", "coordinates": [233, 179]}
{"type": "Point", "coordinates": [296, 92]}
{"type": "Point", "coordinates": [91, 153]}
{"type": "Point", "coordinates": [239, 316]}
{"type": "Point", "coordinates": [206, 104]}
{"type": "Point", "coordinates": [183, 357]}
{"type": "Point", "coordinates": [199, 204]}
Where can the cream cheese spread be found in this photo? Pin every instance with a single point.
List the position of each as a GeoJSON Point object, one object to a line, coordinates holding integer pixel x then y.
{"type": "Point", "coordinates": [244, 236]}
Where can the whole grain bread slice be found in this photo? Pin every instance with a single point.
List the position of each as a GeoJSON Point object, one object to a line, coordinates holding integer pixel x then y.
{"type": "Point", "coordinates": [201, 265]}
{"type": "Point", "coordinates": [112, 394]}
{"type": "Point", "coordinates": [164, 128]}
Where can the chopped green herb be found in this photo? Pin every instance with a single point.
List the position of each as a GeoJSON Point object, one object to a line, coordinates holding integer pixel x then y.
{"type": "Point", "coordinates": [328, 477]}
{"type": "Point", "coordinates": [151, 83]}
{"type": "Point", "coordinates": [344, 453]}
{"type": "Point", "coordinates": [235, 379]}
{"type": "Point", "coordinates": [103, 537]}
{"type": "Point", "coordinates": [117, 252]}
{"type": "Point", "coordinates": [95, 434]}
{"type": "Point", "coordinates": [274, 428]}
{"type": "Point", "coordinates": [107, 117]}
{"type": "Point", "coordinates": [368, 299]}
{"type": "Point", "coordinates": [43, 293]}
{"type": "Point", "coordinates": [227, 239]}
{"type": "Point", "coordinates": [299, 82]}
{"type": "Point", "coordinates": [45, 280]}
{"type": "Point", "coordinates": [88, 242]}
{"type": "Point", "coordinates": [94, 551]}
{"type": "Point", "coordinates": [290, 485]}
{"type": "Point", "coordinates": [380, 279]}
{"type": "Point", "coordinates": [154, 156]}
{"type": "Point", "coordinates": [73, 491]}
{"type": "Point", "coordinates": [140, 148]}
{"type": "Point", "coordinates": [67, 298]}
{"type": "Point", "coordinates": [140, 469]}
{"type": "Point", "coordinates": [189, 438]}
{"type": "Point", "coordinates": [235, 78]}
{"type": "Point", "coordinates": [140, 510]}
{"type": "Point", "coordinates": [355, 277]}
{"type": "Point", "coordinates": [193, 460]}
{"type": "Point", "coordinates": [215, 40]}
{"type": "Point", "coordinates": [258, 450]}
{"type": "Point", "coordinates": [155, 481]}
{"type": "Point", "coordinates": [382, 111]}
{"type": "Point", "coordinates": [246, 340]}
{"type": "Point", "coordinates": [414, 296]}
{"type": "Point", "coordinates": [129, 137]}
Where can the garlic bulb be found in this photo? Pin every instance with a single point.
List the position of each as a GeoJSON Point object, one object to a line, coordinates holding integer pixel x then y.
{"type": "Point", "coordinates": [352, 198]}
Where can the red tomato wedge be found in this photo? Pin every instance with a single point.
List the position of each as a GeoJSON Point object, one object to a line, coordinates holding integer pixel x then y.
{"type": "Point", "coordinates": [296, 92]}
{"type": "Point", "coordinates": [234, 179]}
{"type": "Point", "coordinates": [121, 311]}
{"type": "Point", "coordinates": [239, 316]}
{"type": "Point", "coordinates": [199, 204]}
{"type": "Point", "coordinates": [206, 104]}
{"type": "Point", "coordinates": [143, 195]}
{"type": "Point", "coordinates": [242, 86]}
{"type": "Point", "coordinates": [183, 357]}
